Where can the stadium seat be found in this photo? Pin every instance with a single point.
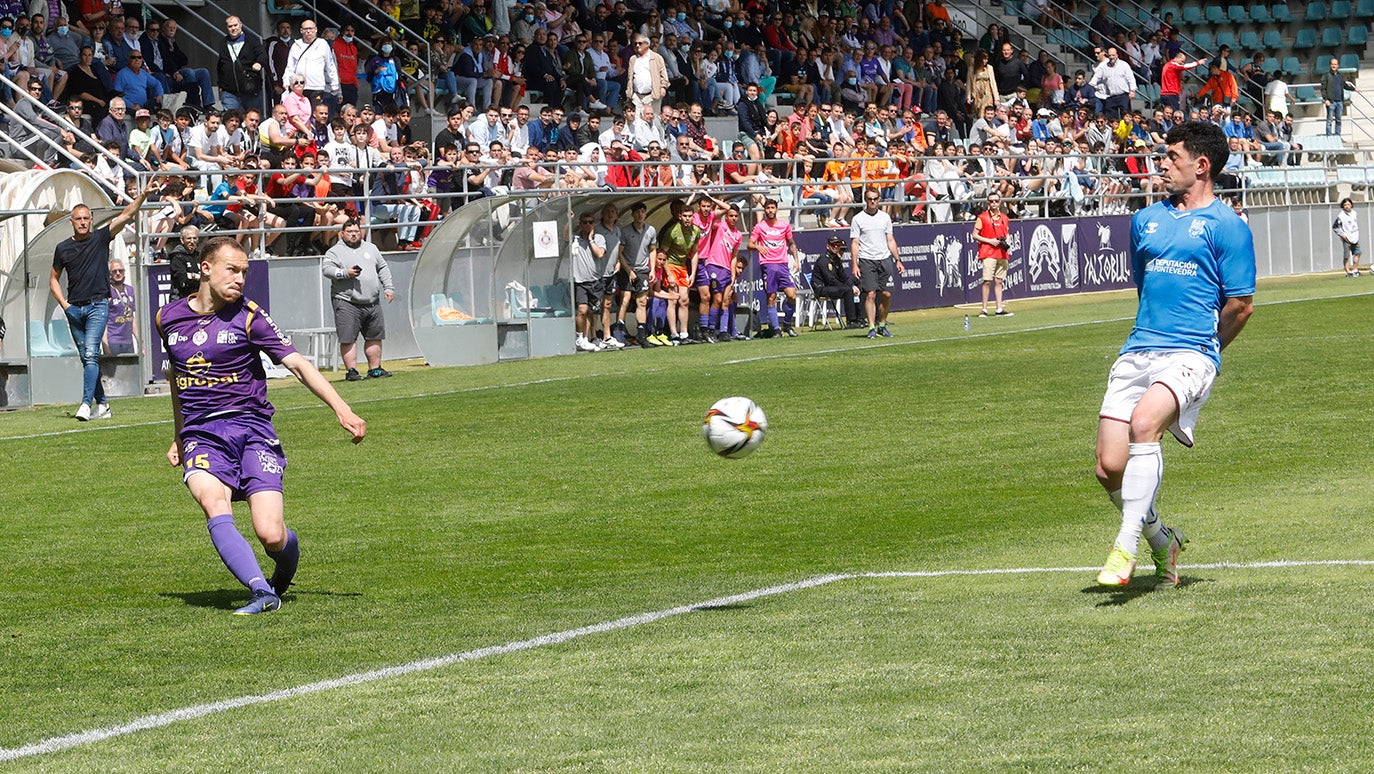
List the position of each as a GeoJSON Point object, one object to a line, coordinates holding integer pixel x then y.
{"type": "Point", "coordinates": [1280, 13]}
{"type": "Point", "coordinates": [1364, 9]}
{"type": "Point", "coordinates": [1340, 9]}
{"type": "Point", "coordinates": [60, 336]}
{"type": "Point", "coordinates": [1350, 62]}
{"type": "Point", "coordinates": [1214, 14]}
{"type": "Point", "coordinates": [1316, 12]}
{"type": "Point", "coordinates": [1292, 66]}
{"type": "Point", "coordinates": [1250, 40]}
{"type": "Point", "coordinates": [1204, 41]}
{"type": "Point", "coordinates": [1332, 37]}
{"type": "Point", "coordinates": [1226, 38]}
{"type": "Point", "coordinates": [1191, 15]}
{"type": "Point", "coordinates": [1273, 41]}
{"type": "Point", "coordinates": [1305, 94]}
{"type": "Point", "coordinates": [1271, 65]}
{"type": "Point", "coordinates": [1306, 38]}
{"type": "Point", "coordinates": [1259, 14]}
{"type": "Point", "coordinates": [1359, 35]}
{"type": "Point", "coordinates": [1237, 14]}
{"type": "Point", "coordinates": [38, 341]}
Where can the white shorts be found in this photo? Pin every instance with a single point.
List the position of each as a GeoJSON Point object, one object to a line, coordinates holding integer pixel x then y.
{"type": "Point", "coordinates": [1188, 375]}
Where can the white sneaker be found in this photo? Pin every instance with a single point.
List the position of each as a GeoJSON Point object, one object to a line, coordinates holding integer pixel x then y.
{"type": "Point", "coordinates": [597, 104]}
{"type": "Point", "coordinates": [83, 413]}
{"type": "Point", "coordinates": [102, 411]}
{"type": "Point", "coordinates": [612, 343]}
{"type": "Point", "coordinates": [582, 345]}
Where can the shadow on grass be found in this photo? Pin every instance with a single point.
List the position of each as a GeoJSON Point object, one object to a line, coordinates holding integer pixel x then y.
{"type": "Point", "coordinates": [731, 606]}
{"type": "Point", "coordinates": [1115, 597]}
{"type": "Point", "coordinates": [232, 599]}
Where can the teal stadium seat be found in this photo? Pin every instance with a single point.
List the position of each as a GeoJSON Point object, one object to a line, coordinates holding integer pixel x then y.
{"type": "Point", "coordinates": [1273, 40]}
{"type": "Point", "coordinates": [1365, 9]}
{"type": "Point", "coordinates": [1332, 37]}
{"type": "Point", "coordinates": [60, 336]}
{"type": "Point", "coordinates": [1250, 40]}
{"type": "Point", "coordinates": [1305, 94]}
{"type": "Point", "coordinates": [1281, 14]}
{"type": "Point", "coordinates": [1316, 12]}
{"type": "Point", "coordinates": [38, 341]}
{"type": "Point", "coordinates": [1292, 66]}
{"type": "Point", "coordinates": [1237, 14]}
{"type": "Point", "coordinates": [1191, 15]}
{"type": "Point", "coordinates": [1350, 62]}
{"type": "Point", "coordinates": [1259, 14]}
{"type": "Point", "coordinates": [1271, 65]}
{"type": "Point", "coordinates": [1340, 9]}
{"type": "Point", "coordinates": [1214, 14]}
{"type": "Point", "coordinates": [1359, 35]}
{"type": "Point", "coordinates": [1226, 38]}
{"type": "Point", "coordinates": [1306, 38]}
{"type": "Point", "coordinates": [1204, 41]}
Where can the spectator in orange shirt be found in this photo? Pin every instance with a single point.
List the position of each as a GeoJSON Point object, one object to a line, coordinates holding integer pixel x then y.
{"type": "Point", "coordinates": [1221, 87]}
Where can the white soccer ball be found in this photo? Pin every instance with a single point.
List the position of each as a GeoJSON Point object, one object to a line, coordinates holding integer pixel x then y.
{"type": "Point", "coordinates": [734, 427]}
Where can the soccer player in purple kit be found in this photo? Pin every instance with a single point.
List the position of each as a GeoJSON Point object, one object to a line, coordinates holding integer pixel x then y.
{"type": "Point", "coordinates": [224, 440]}
{"type": "Point", "coordinates": [778, 258]}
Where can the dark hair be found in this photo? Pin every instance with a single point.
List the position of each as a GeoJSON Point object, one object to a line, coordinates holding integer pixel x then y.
{"type": "Point", "coordinates": [1202, 139]}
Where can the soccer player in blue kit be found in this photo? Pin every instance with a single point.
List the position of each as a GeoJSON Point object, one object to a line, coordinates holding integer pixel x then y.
{"type": "Point", "coordinates": [1193, 260]}
{"type": "Point", "coordinates": [225, 441]}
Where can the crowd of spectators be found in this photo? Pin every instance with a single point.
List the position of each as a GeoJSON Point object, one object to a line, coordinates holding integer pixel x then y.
{"type": "Point", "coordinates": [881, 93]}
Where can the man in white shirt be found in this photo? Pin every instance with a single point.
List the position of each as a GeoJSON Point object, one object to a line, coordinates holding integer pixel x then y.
{"type": "Point", "coordinates": [519, 131]}
{"type": "Point", "coordinates": [313, 58]}
{"type": "Point", "coordinates": [206, 149]}
{"type": "Point", "coordinates": [645, 129]}
{"type": "Point", "coordinates": [1114, 82]}
{"type": "Point", "coordinates": [488, 129]}
{"type": "Point", "coordinates": [607, 72]}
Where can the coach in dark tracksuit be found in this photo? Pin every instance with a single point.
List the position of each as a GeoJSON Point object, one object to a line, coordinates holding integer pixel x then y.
{"type": "Point", "coordinates": [830, 279]}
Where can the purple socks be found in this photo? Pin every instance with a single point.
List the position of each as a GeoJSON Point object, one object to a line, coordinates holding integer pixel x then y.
{"type": "Point", "coordinates": [235, 552]}
{"type": "Point", "coordinates": [287, 559]}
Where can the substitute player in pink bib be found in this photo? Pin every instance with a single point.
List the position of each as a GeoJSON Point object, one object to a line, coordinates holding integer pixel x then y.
{"type": "Point", "coordinates": [720, 241]}
{"type": "Point", "coordinates": [778, 258]}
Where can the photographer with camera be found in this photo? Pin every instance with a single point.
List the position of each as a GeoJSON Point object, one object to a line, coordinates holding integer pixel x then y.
{"type": "Point", "coordinates": [990, 231]}
{"type": "Point", "coordinates": [359, 279]}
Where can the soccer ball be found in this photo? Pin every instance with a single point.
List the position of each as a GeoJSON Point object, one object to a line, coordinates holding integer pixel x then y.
{"type": "Point", "coordinates": [734, 427]}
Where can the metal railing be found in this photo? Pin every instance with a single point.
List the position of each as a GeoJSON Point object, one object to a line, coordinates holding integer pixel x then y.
{"type": "Point", "coordinates": [1099, 188]}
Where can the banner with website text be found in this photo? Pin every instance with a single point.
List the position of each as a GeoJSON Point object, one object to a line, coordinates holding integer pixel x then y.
{"type": "Point", "coordinates": [1048, 257]}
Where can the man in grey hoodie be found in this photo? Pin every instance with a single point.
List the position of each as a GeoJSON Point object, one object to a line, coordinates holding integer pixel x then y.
{"type": "Point", "coordinates": [359, 278]}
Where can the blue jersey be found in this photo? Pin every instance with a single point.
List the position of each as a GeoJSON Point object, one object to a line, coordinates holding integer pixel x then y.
{"type": "Point", "coordinates": [1186, 264]}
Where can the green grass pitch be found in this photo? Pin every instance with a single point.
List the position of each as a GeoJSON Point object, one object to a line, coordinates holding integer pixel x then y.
{"type": "Point", "coordinates": [497, 505]}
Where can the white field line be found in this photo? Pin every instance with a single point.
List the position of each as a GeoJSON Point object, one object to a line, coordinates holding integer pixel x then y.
{"type": "Point", "coordinates": [554, 379]}
{"type": "Point", "coordinates": [148, 722]}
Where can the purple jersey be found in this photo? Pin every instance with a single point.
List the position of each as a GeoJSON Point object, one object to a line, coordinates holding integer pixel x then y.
{"type": "Point", "coordinates": [214, 357]}
{"type": "Point", "coordinates": [120, 330]}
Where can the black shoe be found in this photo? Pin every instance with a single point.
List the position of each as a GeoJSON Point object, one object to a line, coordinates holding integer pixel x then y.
{"type": "Point", "coordinates": [378, 373]}
{"type": "Point", "coordinates": [647, 342]}
{"type": "Point", "coordinates": [791, 332]}
{"type": "Point", "coordinates": [710, 337]}
{"type": "Point", "coordinates": [354, 376]}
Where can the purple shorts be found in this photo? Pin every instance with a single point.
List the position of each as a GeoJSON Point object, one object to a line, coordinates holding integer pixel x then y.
{"type": "Point", "coordinates": [776, 276]}
{"type": "Point", "coordinates": [717, 278]}
{"type": "Point", "coordinates": [241, 450]}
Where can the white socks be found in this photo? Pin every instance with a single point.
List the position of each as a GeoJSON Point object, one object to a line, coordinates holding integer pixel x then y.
{"type": "Point", "coordinates": [1139, 484]}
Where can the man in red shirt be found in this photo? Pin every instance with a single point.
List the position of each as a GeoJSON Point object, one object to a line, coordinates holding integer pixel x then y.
{"type": "Point", "coordinates": [990, 232]}
{"type": "Point", "coordinates": [1171, 80]}
{"type": "Point", "coordinates": [346, 54]}
{"type": "Point", "coordinates": [623, 169]}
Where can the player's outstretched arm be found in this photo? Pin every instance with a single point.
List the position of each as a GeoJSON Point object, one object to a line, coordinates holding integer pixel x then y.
{"type": "Point", "coordinates": [310, 376]}
{"type": "Point", "coordinates": [1233, 317]}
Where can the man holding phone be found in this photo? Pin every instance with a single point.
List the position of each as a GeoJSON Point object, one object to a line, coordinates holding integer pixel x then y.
{"type": "Point", "coordinates": [359, 278]}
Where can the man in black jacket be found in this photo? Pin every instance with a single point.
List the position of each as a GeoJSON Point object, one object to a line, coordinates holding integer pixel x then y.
{"type": "Point", "coordinates": [240, 67]}
{"type": "Point", "coordinates": [752, 121]}
{"type": "Point", "coordinates": [184, 262]}
{"type": "Point", "coordinates": [830, 279]}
